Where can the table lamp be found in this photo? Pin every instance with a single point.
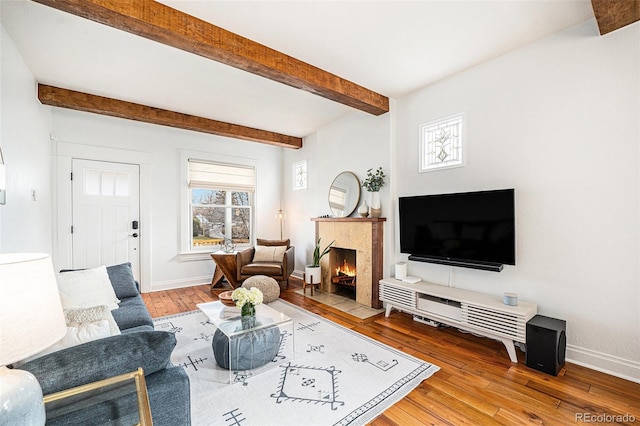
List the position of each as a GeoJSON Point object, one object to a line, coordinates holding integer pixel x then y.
{"type": "Point", "coordinates": [31, 319]}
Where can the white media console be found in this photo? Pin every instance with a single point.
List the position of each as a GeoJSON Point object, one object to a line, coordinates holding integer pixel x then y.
{"type": "Point", "coordinates": [467, 310]}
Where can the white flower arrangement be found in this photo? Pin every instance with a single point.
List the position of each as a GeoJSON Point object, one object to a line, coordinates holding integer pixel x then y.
{"type": "Point", "coordinates": [242, 296]}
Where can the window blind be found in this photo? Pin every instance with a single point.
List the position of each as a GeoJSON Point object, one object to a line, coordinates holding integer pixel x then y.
{"type": "Point", "coordinates": [228, 177]}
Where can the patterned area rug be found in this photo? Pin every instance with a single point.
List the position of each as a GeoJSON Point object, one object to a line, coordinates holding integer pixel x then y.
{"type": "Point", "coordinates": [336, 376]}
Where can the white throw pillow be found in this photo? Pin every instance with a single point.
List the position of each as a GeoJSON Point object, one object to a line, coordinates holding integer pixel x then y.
{"type": "Point", "coordinates": [82, 333]}
{"type": "Point", "coordinates": [79, 316]}
{"type": "Point", "coordinates": [85, 332]}
{"type": "Point", "coordinates": [87, 288]}
{"type": "Point", "coordinates": [269, 253]}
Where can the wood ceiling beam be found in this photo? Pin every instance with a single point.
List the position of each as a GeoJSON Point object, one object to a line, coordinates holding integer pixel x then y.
{"type": "Point", "coordinates": [64, 98]}
{"type": "Point", "coordinates": [158, 22]}
{"type": "Point", "coordinates": [614, 14]}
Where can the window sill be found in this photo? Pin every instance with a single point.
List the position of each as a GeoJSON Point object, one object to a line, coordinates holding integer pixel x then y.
{"type": "Point", "coordinates": [194, 257]}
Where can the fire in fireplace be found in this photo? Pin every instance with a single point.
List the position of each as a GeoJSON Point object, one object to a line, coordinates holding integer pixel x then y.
{"type": "Point", "coordinates": [343, 268]}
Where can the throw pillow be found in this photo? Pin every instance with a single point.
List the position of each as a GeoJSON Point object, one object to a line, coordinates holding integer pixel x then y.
{"type": "Point", "coordinates": [79, 316]}
{"type": "Point", "coordinates": [81, 333]}
{"type": "Point", "coordinates": [87, 288]}
{"type": "Point", "coordinates": [263, 242]}
{"type": "Point", "coordinates": [269, 253]}
{"type": "Point", "coordinates": [103, 358]}
{"type": "Point", "coordinates": [121, 277]}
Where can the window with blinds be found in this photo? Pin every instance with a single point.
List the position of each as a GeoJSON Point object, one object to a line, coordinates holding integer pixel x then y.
{"type": "Point", "coordinates": [221, 203]}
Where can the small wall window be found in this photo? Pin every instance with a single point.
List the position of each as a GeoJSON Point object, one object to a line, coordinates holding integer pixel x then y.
{"type": "Point", "coordinates": [442, 144]}
{"type": "Point", "coordinates": [300, 175]}
{"type": "Point", "coordinates": [221, 203]}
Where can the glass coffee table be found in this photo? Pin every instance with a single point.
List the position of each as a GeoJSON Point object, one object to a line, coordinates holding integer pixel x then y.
{"type": "Point", "coordinates": [246, 347]}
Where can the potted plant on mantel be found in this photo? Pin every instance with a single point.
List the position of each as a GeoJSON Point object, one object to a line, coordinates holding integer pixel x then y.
{"type": "Point", "coordinates": [373, 183]}
{"type": "Point", "coordinates": [313, 273]}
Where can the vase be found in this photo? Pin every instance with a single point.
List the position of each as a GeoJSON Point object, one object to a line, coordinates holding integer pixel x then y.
{"type": "Point", "coordinates": [248, 310]}
{"type": "Point", "coordinates": [248, 316]}
{"type": "Point", "coordinates": [375, 210]}
{"type": "Point", "coordinates": [248, 322]}
{"type": "Point", "coordinates": [363, 210]}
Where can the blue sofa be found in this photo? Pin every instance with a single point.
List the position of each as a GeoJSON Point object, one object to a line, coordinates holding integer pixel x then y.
{"type": "Point", "coordinates": [139, 345]}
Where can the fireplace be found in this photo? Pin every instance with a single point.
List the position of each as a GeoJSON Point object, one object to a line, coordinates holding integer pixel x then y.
{"type": "Point", "coordinates": [342, 265]}
{"type": "Point", "coordinates": [364, 236]}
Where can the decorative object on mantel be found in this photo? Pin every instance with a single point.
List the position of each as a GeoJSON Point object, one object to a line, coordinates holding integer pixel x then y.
{"type": "Point", "coordinates": [313, 272]}
{"type": "Point", "coordinates": [373, 183]}
{"type": "Point", "coordinates": [363, 210]}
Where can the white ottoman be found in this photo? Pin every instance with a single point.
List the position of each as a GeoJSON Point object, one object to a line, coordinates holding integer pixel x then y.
{"type": "Point", "coordinates": [268, 286]}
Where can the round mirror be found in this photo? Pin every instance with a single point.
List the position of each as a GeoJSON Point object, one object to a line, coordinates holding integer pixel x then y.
{"type": "Point", "coordinates": [344, 194]}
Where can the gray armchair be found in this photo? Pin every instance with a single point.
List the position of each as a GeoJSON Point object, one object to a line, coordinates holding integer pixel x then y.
{"type": "Point", "coordinates": [273, 258]}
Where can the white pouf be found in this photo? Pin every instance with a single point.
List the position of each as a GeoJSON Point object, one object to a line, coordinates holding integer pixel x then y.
{"type": "Point", "coordinates": [267, 285]}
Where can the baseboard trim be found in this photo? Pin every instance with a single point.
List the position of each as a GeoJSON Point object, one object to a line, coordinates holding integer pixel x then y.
{"type": "Point", "coordinates": [181, 283]}
{"type": "Point", "coordinates": [609, 364]}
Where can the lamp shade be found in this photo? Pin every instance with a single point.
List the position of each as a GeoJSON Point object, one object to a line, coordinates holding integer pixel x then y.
{"type": "Point", "coordinates": [3, 173]}
{"type": "Point", "coordinates": [3, 177]}
{"type": "Point", "coordinates": [31, 315]}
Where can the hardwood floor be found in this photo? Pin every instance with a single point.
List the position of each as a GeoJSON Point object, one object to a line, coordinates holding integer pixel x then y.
{"type": "Point", "coordinates": [476, 384]}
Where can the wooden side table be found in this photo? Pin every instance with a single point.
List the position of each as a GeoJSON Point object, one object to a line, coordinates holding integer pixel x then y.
{"type": "Point", "coordinates": [217, 276]}
{"type": "Point", "coordinates": [225, 266]}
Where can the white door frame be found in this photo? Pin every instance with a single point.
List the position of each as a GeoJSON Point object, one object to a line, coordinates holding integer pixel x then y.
{"type": "Point", "coordinates": [62, 154]}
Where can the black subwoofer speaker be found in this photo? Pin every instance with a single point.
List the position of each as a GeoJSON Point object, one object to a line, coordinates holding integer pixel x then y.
{"type": "Point", "coordinates": [546, 344]}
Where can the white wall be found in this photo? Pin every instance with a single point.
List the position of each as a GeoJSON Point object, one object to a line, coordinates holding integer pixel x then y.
{"type": "Point", "coordinates": [162, 147]}
{"type": "Point", "coordinates": [558, 121]}
{"type": "Point", "coordinates": [25, 224]}
{"type": "Point", "coordinates": [355, 143]}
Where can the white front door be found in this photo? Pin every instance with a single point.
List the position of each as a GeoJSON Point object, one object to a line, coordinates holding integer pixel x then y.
{"type": "Point", "coordinates": [106, 209]}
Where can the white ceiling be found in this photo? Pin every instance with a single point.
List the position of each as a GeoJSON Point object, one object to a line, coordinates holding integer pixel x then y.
{"type": "Point", "coordinates": [391, 47]}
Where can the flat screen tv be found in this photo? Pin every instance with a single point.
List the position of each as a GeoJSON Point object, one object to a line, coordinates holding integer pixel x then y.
{"type": "Point", "coordinates": [471, 229]}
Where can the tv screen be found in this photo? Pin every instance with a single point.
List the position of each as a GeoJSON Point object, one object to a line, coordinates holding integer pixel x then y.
{"type": "Point", "coordinates": [471, 227]}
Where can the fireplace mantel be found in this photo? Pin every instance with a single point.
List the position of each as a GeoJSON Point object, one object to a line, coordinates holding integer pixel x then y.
{"type": "Point", "coordinates": [349, 219]}
{"type": "Point", "coordinates": [365, 235]}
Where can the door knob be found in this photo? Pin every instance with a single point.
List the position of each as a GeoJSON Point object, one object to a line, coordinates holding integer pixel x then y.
{"type": "Point", "coordinates": [134, 235]}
